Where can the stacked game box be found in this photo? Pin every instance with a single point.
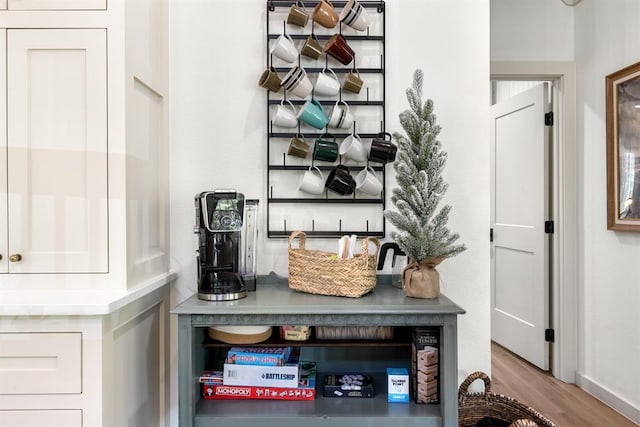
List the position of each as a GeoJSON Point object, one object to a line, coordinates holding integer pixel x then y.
{"type": "Point", "coordinates": [262, 366]}
{"type": "Point", "coordinates": [425, 365]}
{"type": "Point", "coordinates": [266, 373]}
{"type": "Point", "coordinates": [263, 356]}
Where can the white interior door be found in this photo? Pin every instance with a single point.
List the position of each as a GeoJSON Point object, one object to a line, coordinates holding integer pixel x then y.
{"type": "Point", "coordinates": [519, 209]}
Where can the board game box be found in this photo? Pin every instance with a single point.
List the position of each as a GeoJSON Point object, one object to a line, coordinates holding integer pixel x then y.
{"type": "Point", "coordinates": [213, 387]}
{"type": "Point", "coordinates": [425, 365]}
{"type": "Point", "coordinates": [265, 356]}
{"type": "Point", "coordinates": [348, 385]}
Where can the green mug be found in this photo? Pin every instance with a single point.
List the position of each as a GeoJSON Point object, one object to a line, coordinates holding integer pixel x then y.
{"type": "Point", "coordinates": [325, 148]}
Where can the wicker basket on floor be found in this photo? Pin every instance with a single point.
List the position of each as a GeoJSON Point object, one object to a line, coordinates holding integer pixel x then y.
{"type": "Point", "coordinates": [323, 273]}
{"type": "Point", "coordinates": [472, 407]}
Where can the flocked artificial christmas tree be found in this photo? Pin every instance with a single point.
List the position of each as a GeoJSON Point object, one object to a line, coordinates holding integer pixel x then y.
{"type": "Point", "coordinates": [422, 231]}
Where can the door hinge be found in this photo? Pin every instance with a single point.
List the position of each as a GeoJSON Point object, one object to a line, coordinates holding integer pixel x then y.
{"type": "Point", "coordinates": [548, 227]}
{"type": "Point", "coordinates": [549, 335]}
{"type": "Point", "coordinates": [548, 119]}
{"type": "Point", "coordinates": [491, 234]}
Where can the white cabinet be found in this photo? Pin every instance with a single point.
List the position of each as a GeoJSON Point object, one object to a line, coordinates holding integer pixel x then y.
{"type": "Point", "coordinates": [32, 363]}
{"type": "Point", "coordinates": [57, 151]}
{"type": "Point", "coordinates": [4, 231]}
{"type": "Point", "coordinates": [83, 144]}
{"type": "Point", "coordinates": [102, 365]}
{"type": "Point", "coordinates": [54, 4]}
{"type": "Point", "coordinates": [84, 262]}
{"type": "Point", "coordinates": [54, 418]}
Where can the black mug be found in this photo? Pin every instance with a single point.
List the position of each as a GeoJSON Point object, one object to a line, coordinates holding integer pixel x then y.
{"type": "Point", "coordinates": [382, 149]}
{"type": "Point", "coordinates": [340, 181]}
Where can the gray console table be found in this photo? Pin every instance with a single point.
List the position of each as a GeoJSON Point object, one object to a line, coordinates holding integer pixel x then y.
{"type": "Point", "coordinates": [275, 304]}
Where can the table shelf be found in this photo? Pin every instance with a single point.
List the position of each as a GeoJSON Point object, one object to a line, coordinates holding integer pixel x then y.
{"type": "Point", "coordinates": [274, 304]}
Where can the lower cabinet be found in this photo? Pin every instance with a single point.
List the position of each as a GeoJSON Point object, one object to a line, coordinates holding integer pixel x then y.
{"type": "Point", "coordinates": [34, 363]}
{"type": "Point", "coordinates": [275, 304]}
{"type": "Point", "coordinates": [96, 368]}
{"type": "Point", "coordinates": [49, 418]}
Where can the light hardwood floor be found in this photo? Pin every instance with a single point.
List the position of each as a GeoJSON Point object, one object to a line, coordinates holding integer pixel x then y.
{"type": "Point", "coordinates": [565, 404]}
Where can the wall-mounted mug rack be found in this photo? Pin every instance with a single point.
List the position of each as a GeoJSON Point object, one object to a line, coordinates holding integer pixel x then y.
{"type": "Point", "coordinates": [326, 214]}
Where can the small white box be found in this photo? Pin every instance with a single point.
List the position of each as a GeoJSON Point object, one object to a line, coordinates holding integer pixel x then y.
{"type": "Point", "coordinates": [397, 385]}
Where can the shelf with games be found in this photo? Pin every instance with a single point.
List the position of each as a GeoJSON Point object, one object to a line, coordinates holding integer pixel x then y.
{"type": "Point", "coordinates": [347, 107]}
{"type": "Point", "coordinates": [273, 303]}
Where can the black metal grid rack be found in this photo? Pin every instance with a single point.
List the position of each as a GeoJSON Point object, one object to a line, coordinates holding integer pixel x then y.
{"type": "Point", "coordinates": [277, 160]}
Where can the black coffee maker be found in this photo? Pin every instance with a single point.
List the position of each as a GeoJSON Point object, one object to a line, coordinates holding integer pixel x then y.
{"type": "Point", "coordinates": [227, 234]}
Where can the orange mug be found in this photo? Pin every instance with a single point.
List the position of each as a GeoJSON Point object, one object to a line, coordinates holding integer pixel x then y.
{"type": "Point", "coordinates": [325, 14]}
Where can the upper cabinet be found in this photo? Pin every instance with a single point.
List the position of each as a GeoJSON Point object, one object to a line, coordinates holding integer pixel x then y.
{"type": "Point", "coordinates": [4, 232]}
{"type": "Point", "coordinates": [53, 4]}
{"type": "Point", "coordinates": [57, 151]}
{"type": "Point", "coordinates": [83, 144]}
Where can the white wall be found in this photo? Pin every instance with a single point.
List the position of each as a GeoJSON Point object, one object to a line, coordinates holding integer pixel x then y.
{"type": "Point", "coordinates": [218, 131]}
{"type": "Point", "coordinates": [526, 30]}
{"type": "Point", "coordinates": [602, 37]}
{"type": "Point", "coordinates": [607, 38]}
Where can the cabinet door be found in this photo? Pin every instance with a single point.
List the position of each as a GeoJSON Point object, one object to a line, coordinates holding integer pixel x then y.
{"type": "Point", "coordinates": [54, 4]}
{"type": "Point", "coordinates": [49, 418]}
{"type": "Point", "coordinates": [4, 238]}
{"type": "Point", "coordinates": [40, 363]}
{"type": "Point", "coordinates": [57, 150]}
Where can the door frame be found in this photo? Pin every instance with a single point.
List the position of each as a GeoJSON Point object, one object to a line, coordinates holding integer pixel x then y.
{"type": "Point", "coordinates": [564, 247]}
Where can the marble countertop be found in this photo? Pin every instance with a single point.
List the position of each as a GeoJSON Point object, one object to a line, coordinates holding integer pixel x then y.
{"type": "Point", "coordinates": [63, 302]}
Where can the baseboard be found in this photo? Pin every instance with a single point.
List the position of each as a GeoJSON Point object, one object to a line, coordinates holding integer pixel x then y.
{"type": "Point", "coordinates": [609, 398]}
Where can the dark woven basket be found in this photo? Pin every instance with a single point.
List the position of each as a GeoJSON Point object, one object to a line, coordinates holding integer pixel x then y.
{"type": "Point", "coordinates": [472, 407]}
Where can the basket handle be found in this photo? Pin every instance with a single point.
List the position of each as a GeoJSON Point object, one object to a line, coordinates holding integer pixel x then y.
{"type": "Point", "coordinates": [365, 246]}
{"type": "Point", "coordinates": [523, 423]}
{"type": "Point", "coordinates": [301, 235]}
{"type": "Point", "coordinates": [463, 391]}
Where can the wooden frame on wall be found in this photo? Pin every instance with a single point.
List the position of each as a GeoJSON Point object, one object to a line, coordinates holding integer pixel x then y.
{"type": "Point", "coordinates": [623, 149]}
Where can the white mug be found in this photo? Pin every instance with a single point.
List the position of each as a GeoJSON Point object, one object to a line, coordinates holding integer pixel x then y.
{"type": "Point", "coordinates": [284, 49]}
{"type": "Point", "coordinates": [340, 117]}
{"type": "Point", "coordinates": [327, 85]}
{"type": "Point", "coordinates": [297, 82]}
{"type": "Point", "coordinates": [311, 182]}
{"type": "Point", "coordinates": [285, 117]}
{"type": "Point", "coordinates": [366, 147]}
{"type": "Point", "coordinates": [352, 148]}
{"type": "Point", "coordinates": [368, 182]}
{"type": "Point", "coordinates": [355, 15]}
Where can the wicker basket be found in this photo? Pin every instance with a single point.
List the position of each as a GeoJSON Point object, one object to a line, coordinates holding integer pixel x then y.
{"type": "Point", "coordinates": [472, 407]}
{"type": "Point", "coordinates": [354, 332]}
{"type": "Point", "coordinates": [323, 273]}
